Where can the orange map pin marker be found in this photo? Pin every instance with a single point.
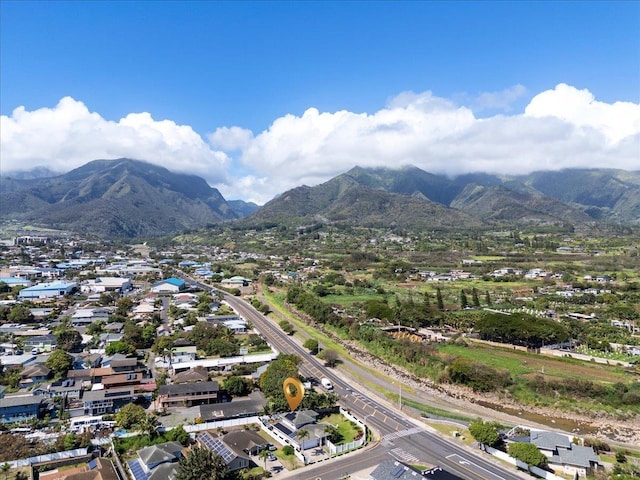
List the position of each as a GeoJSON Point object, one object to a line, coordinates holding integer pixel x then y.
{"type": "Point", "coordinates": [293, 391]}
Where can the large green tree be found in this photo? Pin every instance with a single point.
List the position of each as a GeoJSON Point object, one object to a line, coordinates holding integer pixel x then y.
{"type": "Point", "coordinates": [200, 463]}
{"type": "Point", "coordinates": [20, 314]}
{"type": "Point", "coordinates": [311, 344]}
{"type": "Point", "coordinates": [130, 415]}
{"type": "Point", "coordinates": [528, 453]}
{"type": "Point", "coordinates": [271, 381]}
{"type": "Point", "coordinates": [485, 433]}
{"type": "Point", "coordinates": [69, 340]}
{"type": "Point", "coordinates": [124, 307]}
{"type": "Point", "coordinates": [236, 385]}
{"type": "Point", "coordinates": [60, 362]}
{"type": "Point", "coordinates": [119, 347]}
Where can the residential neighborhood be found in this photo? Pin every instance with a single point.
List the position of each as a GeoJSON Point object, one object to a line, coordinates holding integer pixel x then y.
{"type": "Point", "coordinates": [90, 336]}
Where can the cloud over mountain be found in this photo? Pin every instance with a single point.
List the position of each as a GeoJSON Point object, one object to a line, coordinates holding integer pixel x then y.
{"type": "Point", "coordinates": [560, 128]}
{"type": "Point", "coordinates": [68, 135]}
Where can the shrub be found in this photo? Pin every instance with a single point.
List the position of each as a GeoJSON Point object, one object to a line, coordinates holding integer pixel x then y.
{"type": "Point", "coordinates": [287, 450]}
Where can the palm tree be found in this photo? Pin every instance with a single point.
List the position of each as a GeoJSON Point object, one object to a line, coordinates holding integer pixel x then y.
{"type": "Point", "coordinates": [263, 455]}
{"type": "Point", "coordinates": [301, 435]}
{"type": "Point", "coordinates": [149, 424]}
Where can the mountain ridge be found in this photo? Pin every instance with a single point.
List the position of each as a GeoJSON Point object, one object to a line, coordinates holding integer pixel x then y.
{"type": "Point", "coordinates": [117, 198]}
{"type": "Point", "coordinates": [127, 198]}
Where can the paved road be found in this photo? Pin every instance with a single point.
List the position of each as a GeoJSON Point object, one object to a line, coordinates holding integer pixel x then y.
{"type": "Point", "coordinates": [399, 435]}
{"type": "Point", "coordinates": [403, 438]}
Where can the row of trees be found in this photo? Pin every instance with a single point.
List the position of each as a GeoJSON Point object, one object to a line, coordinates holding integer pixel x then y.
{"type": "Point", "coordinates": [519, 329]}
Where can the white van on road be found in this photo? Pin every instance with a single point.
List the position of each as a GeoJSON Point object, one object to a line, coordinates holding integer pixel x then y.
{"type": "Point", "coordinates": [326, 383]}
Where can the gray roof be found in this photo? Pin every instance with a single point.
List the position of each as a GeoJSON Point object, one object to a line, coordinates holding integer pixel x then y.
{"type": "Point", "coordinates": [114, 357]}
{"type": "Point", "coordinates": [301, 418]}
{"type": "Point", "coordinates": [123, 362]}
{"type": "Point", "coordinates": [316, 430]}
{"type": "Point", "coordinates": [243, 440]}
{"type": "Point", "coordinates": [36, 371]}
{"type": "Point", "coordinates": [393, 470]}
{"type": "Point", "coordinates": [166, 471]}
{"type": "Point", "coordinates": [197, 374]}
{"type": "Point", "coordinates": [577, 455]}
{"type": "Point", "coordinates": [163, 452]}
{"type": "Point", "coordinates": [247, 406]}
{"type": "Point", "coordinates": [113, 394]}
{"type": "Point", "coordinates": [550, 440]}
{"type": "Point", "coordinates": [41, 338]}
{"type": "Point", "coordinates": [188, 388]}
{"type": "Point", "coordinates": [79, 373]}
{"type": "Point", "coordinates": [17, 400]}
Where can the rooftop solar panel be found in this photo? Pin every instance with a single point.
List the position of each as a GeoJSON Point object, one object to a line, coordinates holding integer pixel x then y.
{"type": "Point", "coordinates": [92, 464]}
{"type": "Point", "coordinates": [217, 447]}
{"type": "Point", "coordinates": [137, 471]}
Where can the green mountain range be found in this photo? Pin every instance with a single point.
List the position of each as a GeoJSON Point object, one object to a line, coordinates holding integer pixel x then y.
{"type": "Point", "coordinates": [129, 198]}
{"type": "Point", "coordinates": [118, 199]}
{"type": "Point", "coordinates": [411, 197]}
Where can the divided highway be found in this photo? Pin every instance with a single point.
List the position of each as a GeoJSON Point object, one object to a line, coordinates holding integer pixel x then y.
{"type": "Point", "coordinates": [400, 437]}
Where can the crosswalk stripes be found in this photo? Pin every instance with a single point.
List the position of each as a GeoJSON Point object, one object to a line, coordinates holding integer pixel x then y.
{"type": "Point", "coordinates": [404, 456]}
{"type": "Point", "coordinates": [401, 433]}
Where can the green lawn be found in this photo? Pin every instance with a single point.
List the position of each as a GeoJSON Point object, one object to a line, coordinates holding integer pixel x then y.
{"type": "Point", "coordinates": [346, 428]}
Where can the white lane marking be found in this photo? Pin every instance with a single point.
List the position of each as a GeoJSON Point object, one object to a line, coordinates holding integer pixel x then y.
{"type": "Point", "coordinates": [463, 461]}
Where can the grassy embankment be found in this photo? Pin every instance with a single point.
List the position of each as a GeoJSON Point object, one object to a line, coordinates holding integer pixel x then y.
{"type": "Point", "coordinates": [276, 302]}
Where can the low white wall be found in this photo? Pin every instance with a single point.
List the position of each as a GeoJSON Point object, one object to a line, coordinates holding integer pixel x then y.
{"type": "Point", "coordinates": [514, 461]}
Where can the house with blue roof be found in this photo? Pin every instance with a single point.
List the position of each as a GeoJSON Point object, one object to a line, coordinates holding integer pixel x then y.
{"type": "Point", "coordinates": [47, 290]}
{"type": "Point", "coordinates": [16, 281]}
{"type": "Point", "coordinates": [187, 264]}
{"type": "Point", "coordinates": [169, 285]}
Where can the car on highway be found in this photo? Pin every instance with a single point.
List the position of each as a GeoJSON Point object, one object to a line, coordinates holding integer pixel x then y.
{"type": "Point", "coordinates": [326, 383]}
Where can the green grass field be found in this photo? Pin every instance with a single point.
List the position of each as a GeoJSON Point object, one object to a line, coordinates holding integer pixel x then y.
{"type": "Point", "coordinates": [520, 363]}
{"type": "Point", "coordinates": [346, 428]}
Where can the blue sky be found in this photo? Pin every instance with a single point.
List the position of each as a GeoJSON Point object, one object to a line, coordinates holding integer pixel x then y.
{"type": "Point", "coordinates": [259, 66]}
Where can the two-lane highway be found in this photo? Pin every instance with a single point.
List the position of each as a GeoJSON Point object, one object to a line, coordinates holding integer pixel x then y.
{"type": "Point", "coordinates": [399, 436]}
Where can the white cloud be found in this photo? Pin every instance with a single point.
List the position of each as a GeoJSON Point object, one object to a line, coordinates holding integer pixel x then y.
{"type": "Point", "coordinates": [69, 135]}
{"type": "Point", "coordinates": [560, 128]}
{"type": "Point", "coordinates": [502, 100]}
{"type": "Point", "coordinates": [579, 107]}
{"type": "Point", "coordinates": [230, 139]}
